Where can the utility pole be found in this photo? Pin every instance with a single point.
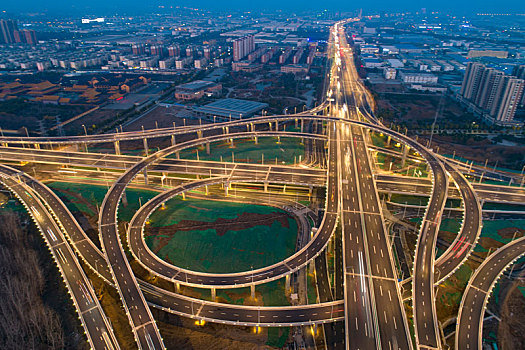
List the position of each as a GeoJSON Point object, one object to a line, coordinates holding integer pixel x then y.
{"type": "Point", "coordinates": [439, 110]}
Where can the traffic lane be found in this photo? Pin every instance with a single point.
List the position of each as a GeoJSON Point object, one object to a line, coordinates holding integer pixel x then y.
{"type": "Point", "coordinates": [378, 249]}
{"type": "Point", "coordinates": [249, 315]}
{"type": "Point", "coordinates": [146, 336]}
{"type": "Point", "coordinates": [124, 280]}
{"type": "Point", "coordinates": [357, 297]}
{"type": "Point", "coordinates": [381, 263]}
{"type": "Point", "coordinates": [81, 292]}
{"type": "Point", "coordinates": [425, 320]}
{"type": "Point", "coordinates": [390, 315]}
{"type": "Point", "coordinates": [469, 327]}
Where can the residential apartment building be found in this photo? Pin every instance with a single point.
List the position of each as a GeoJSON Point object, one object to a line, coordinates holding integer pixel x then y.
{"type": "Point", "coordinates": [493, 93]}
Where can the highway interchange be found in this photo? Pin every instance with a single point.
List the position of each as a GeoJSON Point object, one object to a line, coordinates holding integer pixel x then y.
{"type": "Point", "coordinates": [369, 297]}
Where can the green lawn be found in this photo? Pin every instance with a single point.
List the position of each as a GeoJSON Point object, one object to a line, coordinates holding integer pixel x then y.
{"type": "Point", "coordinates": [207, 251]}
{"type": "Point", "coordinates": [95, 194]}
{"type": "Point", "coordinates": [287, 150]}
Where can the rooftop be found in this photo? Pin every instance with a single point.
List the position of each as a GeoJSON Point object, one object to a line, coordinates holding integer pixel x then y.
{"type": "Point", "coordinates": [196, 85]}
{"type": "Point", "coordinates": [231, 107]}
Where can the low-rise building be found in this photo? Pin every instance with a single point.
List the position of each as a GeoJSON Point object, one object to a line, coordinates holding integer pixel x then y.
{"type": "Point", "coordinates": [409, 77]}
{"type": "Point", "coordinates": [196, 89]}
{"type": "Point", "coordinates": [389, 73]}
{"type": "Point", "coordinates": [295, 69]}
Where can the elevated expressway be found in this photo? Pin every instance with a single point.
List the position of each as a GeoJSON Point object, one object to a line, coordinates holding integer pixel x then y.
{"type": "Point", "coordinates": [387, 182]}
{"type": "Point", "coordinates": [378, 129]}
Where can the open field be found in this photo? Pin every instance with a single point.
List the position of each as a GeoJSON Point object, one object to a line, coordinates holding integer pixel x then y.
{"type": "Point", "coordinates": [286, 151]}
{"type": "Point", "coordinates": [221, 237]}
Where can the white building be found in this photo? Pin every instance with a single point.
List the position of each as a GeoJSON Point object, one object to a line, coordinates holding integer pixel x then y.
{"type": "Point", "coordinates": [418, 77]}
{"type": "Point", "coordinates": [389, 73]}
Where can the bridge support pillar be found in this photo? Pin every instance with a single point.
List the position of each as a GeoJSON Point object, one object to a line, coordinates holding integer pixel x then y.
{"type": "Point", "coordinates": [177, 154]}
{"type": "Point", "coordinates": [206, 188]}
{"type": "Point", "coordinates": [213, 294]}
{"type": "Point", "coordinates": [231, 143]}
{"type": "Point", "coordinates": [388, 139]}
{"type": "Point", "coordinates": [311, 267]}
{"type": "Point", "coordinates": [276, 126]}
{"type": "Point", "coordinates": [227, 129]}
{"type": "Point", "coordinates": [124, 199]}
{"type": "Point", "coordinates": [302, 125]}
{"type": "Point", "coordinates": [252, 291]}
{"type": "Point", "coordinates": [145, 176]}
{"type": "Point", "coordinates": [173, 142]}
{"type": "Point", "coordinates": [208, 148]}
{"type": "Point", "coordinates": [117, 147]}
{"type": "Point", "coordinates": [287, 284]}
{"type": "Point", "coordinates": [278, 139]}
{"type": "Point", "coordinates": [266, 186]}
{"type": "Point", "coordinates": [37, 146]}
{"type": "Point", "coordinates": [310, 190]}
{"type": "Point", "coordinates": [199, 134]}
{"type": "Point", "coordinates": [145, 141]}
{"type": "Point", "coordinates": [256, 140]}
{"type": "Point", "coordinates": [177, 287]}
{"type": "Point", "coordinates": [226, 188]}
{"type": "Point", "coordinates": [183, 196]}
{"type": "Point", "coordinates": [296, 121]}
{"type": "Point", "coordinates": [85, 147]}
{"type": "Point", "coordinates": [405, 153]}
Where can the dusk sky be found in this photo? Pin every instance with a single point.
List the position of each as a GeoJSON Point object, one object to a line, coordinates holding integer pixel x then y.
{"type": "Point", "coordinates": [466, 6]}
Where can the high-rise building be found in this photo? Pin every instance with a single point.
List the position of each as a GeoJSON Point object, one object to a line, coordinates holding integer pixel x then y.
{"type": "Point", "coordinates": [189, 52]}
{"type": "Point", "coordinates": [30, 36]}
{"type": "Point", "coordinates": [493, 92]}
{"type": "Point", "coordinates": [17, 36]}
{"type": "Point", "coordinates": [156, 50]}
{"type": "Point", "coordinates": [243, 46]}
{"type": "Point", "coordinates": [508, 99]}
{"type": "Point", "coordinates": [138, 49]}
{"type": "Point", "coordinates": [174, 51]}
{"type": "Point", "coordinates": [488, 92]}
{"type": "Point", "coordinates": [207, 52]}
{"type": "Point", "coordinates": [471, 81]}
{"type": "Point", "coordinates": [519, 72]}
{"type": "Point", "coordinates": [7, 29]}
{"type": "Point", "coordinates": [27, 36]}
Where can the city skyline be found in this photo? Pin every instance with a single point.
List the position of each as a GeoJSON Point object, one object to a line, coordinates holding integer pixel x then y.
{"type": "Point", "coordinates": [235, 6]}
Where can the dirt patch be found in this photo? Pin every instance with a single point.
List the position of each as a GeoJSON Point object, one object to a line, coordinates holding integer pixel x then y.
{"type": "Point", "coordinates": [162, 117]}
{"type": "Point", "coordinates": [509, 232]}
{"type": "Point", "coordinates": [512, 325]}
{"type": "Point", "coordinates": [487, 243]}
